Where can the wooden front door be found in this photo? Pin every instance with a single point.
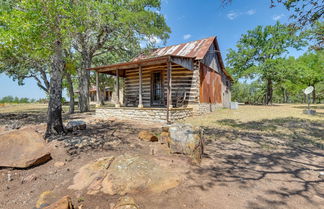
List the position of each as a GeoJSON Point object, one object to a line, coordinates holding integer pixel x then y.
{"type": "Point", "coordinates": [157, 89]}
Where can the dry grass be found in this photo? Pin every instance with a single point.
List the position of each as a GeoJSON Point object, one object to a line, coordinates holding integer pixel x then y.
{"type": "Point", "coordinates": [247, 113]}
{"type": "Point", "coordinates": [23, 108]}
{"type": "Point", "coordinates": [285, 123]}
{"type": "Point", "coordinates": [27, 108]}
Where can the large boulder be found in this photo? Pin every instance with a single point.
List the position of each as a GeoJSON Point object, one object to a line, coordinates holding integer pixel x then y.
{"type": "Point", "coordinates": [185, 139]}
{"type": "Point", "coordinates": [22, 149]}
{"type": "Point", "coordinates": [125, 174]}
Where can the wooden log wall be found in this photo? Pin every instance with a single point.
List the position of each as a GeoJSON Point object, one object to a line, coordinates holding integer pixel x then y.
{"type": "Point", "coordinates": [182, 80]}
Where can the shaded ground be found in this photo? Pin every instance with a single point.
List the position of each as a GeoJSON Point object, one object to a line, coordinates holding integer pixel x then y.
{"type": "Point", "coordinates": [255, 157]}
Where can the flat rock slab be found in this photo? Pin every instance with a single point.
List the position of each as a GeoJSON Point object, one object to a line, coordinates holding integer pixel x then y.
{"type": "Point", "coordinates": [125, 174]}
{"type": "Point", "coordinates": [22, 149]}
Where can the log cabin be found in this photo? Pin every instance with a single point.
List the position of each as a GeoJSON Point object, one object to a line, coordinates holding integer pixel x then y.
{"type": "Point", "coordinates": [170, 83]}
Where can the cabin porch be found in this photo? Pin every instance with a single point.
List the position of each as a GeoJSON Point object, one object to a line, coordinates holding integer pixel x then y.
{"type": "Point", "coordinates": [158, 89]}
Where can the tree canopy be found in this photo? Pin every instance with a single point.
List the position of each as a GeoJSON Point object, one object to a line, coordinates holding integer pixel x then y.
{"type": "Point", "coordinates": [258, 51]}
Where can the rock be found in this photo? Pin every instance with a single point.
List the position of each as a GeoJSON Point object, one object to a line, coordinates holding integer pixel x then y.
{"type": "Point", "coordinates": [165, 128]}
{"type": "Point", "coordinates": [184, 139]}
{"type": "Point", "coordinates": [126, 202]}
{"type": "Point", "coordinates": [9, 177]}
{"type": "Point", "coordinates": [147, 136]}
{"type": "Point", "coordinates": [321, 175]}
{"type": "Point", "coordinates": [59, 164]}
{"type": "Point", "coordinates": [14, 125]}
{"type": "Point", "coordinates": [87, 176]}
{"type": "Point", "coordinates": [63, 203]}
{"type": "Point", "coordinates": [165, 138]}
{"type": "Point", "coordinates": [133, 173]}
{"type": "Point", "coordinates": [125, 174]}
{"type": "Point", "coordinates": [44, 199]}
{"type": "Point", "coordinates": [22, 148]}
{"type": "Point", "coordinates": [76, 125]}
{"type": "Point", "coordinates": [29, 178]}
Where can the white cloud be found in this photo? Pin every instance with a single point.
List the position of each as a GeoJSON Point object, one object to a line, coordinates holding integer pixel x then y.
{"type": "Point", "coordinates": [232, 15]}
{"type": "Point", "coordinates": [251, 12]}
{"type": "Point", "coordinates": [277, 17]}
{"type": "Point", "coordinates": [187, 36]}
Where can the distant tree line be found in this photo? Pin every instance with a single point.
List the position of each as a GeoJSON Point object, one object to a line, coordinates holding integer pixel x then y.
{"type": "Point", "coordinates": [11, 99]}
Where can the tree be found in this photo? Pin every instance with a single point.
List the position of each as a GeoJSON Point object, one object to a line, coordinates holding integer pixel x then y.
{"type": "Point", "coordinates": [304, 12]}
{"type": "Point", "coordinates": [310, 67]}
{"type": "Point", "coordinates": [257, 53]}
{"type": "Point", "coordinates": [316, 35]}
{"type": "Point", "coordinates": [41, 29]}
{"type": "Point", "coordinates": [112, 26]}
{"type": "Point", "coordinates": [18, 58]}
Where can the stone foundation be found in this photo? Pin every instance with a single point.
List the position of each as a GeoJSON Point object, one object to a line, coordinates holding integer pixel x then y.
{"type": "Point", "coordinates": [203, 108]}
{"type": "Point", "coordinates": [147, 114]}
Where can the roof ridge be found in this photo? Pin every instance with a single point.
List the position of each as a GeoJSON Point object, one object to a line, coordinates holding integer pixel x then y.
{"type": "Point", "coordinates": [185, 42]}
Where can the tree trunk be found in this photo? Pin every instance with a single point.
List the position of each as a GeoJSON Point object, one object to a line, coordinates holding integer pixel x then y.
{"type": "Point", "coordinates": [71, 92]}
{"type": "Point", "coordinates": [54, 120]}
{"type": "Point", "coordinates": [269, 92]}
{"type": "Point", "coordinates": [84, 77]}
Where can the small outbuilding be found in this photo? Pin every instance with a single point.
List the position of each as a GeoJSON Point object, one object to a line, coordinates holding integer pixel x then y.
{"type": "Point", "coordinates": [170, 83]}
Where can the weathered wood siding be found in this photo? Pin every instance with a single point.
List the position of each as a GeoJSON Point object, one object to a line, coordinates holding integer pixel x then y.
{"type": "Point", "coordinates": [211, 59]}
{"type": "Point", "coordinates": [210, 85]}
{"type": "Point", "coordinates": [182, 79]}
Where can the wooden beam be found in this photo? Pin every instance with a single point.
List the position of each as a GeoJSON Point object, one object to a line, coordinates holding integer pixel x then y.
{"type": "Point", "coordinates": [117, 89]}
{"type": "Point", "coordinates": [97, 89]}
{"type": "Point", "coordinates": [140, 100]}
{"type": "Point", "coordinates": [169, 93]}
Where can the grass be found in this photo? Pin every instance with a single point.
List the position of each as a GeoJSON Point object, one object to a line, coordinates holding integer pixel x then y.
{"type": "Point", "coordinates": [265, 125]}
{"type": "Point", "coordinates": [24, 108]}
{"type": "Point", "coordinates": [247, 113]}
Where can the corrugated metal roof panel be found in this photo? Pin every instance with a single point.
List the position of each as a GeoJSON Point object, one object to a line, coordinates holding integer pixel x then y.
{"type": "Point", "coordinates": [195, 49]}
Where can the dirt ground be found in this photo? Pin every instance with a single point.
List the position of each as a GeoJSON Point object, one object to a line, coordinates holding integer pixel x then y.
{"type": "Point", "coordinates": [255, 157]}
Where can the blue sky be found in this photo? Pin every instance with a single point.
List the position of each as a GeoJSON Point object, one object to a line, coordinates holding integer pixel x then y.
{"type": "Point", "coordinates": [191, 20]}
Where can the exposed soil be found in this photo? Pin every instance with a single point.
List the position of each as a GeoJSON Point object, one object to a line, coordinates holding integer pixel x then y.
{"type": "Point", "coordinates": [260, 164]}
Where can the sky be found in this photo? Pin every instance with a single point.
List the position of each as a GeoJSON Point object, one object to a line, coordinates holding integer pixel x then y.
{"type": "Point", "coordinates": [191, 20]}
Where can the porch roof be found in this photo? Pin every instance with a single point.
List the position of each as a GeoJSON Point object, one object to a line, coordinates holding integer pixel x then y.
{"type": "Point", "coordinates": [186, 62]}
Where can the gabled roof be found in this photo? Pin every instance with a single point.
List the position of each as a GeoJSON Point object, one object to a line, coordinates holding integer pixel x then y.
{"type": "Point", "coordinates": [194, 49]}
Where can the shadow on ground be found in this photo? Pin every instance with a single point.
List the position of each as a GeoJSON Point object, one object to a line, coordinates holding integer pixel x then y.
{"type": "Point", "coordinates": [275, 160]}
{"type": "Point", "coordinates": [319, 107]}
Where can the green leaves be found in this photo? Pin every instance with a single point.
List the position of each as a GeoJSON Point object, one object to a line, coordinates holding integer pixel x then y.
{"type": "Point", "coordinates": [257, 49]}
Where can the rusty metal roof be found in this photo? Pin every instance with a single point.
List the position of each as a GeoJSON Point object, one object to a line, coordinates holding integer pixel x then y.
{"type": "Point", "coordinates": [194, 49]}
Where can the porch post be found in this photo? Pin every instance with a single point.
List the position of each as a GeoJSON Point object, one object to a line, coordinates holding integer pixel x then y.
{"type": "Point", "coordinates": [97, 90]}
{"type": "Point", "coordinates": [169, 90]}
{"type": "Point", "coordinates": [117, 89]}
{"type": "Point", "coordinates": [140, 100]}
